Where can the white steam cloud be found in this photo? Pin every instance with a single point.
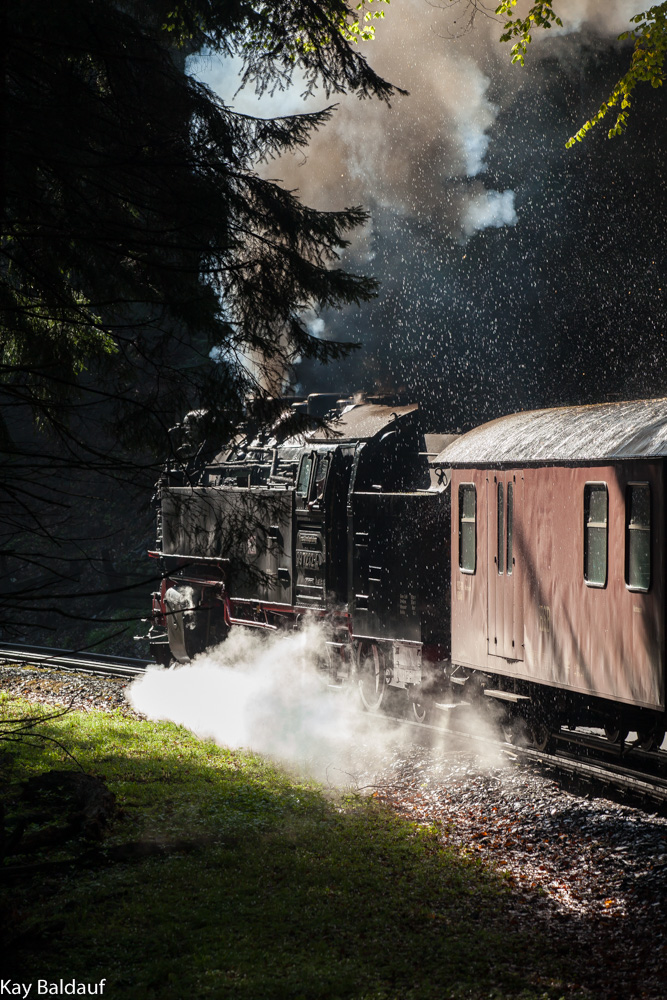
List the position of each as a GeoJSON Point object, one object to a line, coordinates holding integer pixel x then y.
{"type": "Point", "coordinates": [263, 693]}
{"type": "Point", "coordinates": [471, 112]}
{"type": "Point", "coordinates": [491, 208]}
{"type": "Point", "coordinates": [404, 158]}
{"type": "Point", "coordinates": [222, 75]}
{"type": "Point", "coordinates": [602, 17]}
{"type": "Point", "coordinates": [314, 324]}
{"type": "Point", "coordinates": [399, 158]}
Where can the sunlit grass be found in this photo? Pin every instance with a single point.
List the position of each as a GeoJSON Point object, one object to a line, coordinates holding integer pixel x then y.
{"type": "Point", "coordinates": [274, 890]}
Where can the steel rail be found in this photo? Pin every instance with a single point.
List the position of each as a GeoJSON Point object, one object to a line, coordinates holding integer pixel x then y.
{"type": "Point", "coordinates": [83, 661]}
{"type": "Point", "coordinates": [607, 774]}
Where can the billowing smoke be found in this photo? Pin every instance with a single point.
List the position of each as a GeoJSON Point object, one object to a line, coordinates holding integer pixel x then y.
{"type": "Point", "coordinates": [263, 693]}
{"type": "Point", "coordinates": [491, 208]}
{"type": "Point", "coordinates": [515, 273]}
{"type": "Point", "coordinates": [606, 18]}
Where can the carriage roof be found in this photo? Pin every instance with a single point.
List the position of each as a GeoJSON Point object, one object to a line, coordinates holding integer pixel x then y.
{"type": "Point", "coordinates": [600, 432]}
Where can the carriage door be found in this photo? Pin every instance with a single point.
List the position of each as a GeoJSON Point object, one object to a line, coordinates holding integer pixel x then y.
{"type": "Point", "coordinates": [505, 594]}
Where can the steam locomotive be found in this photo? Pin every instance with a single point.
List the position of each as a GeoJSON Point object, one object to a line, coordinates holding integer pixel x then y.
{"type": "Point", "coordinates": [520, 565]}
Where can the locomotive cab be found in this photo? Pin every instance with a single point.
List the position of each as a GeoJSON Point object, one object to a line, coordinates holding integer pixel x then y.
{"type": "Point", "coordinates": [319, 510]}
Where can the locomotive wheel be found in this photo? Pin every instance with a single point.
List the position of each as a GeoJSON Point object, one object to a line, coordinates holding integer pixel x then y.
{"type": "Point", "coordinates": [540, 736]}
{"type": "Point", "coordinates": [516, 731]}
{"type": "Point", "coordinates": [418, 710]}
{"type": "Point", "coordinates": [650, 739]}
{"type": "Point", "coordinates": [510, 731]}
{"type": "Point", "coordinates": [616, 733]}
{"type": "Point", "coordinates": [395, 702]}
{"type": "Point", "coordinates": [161, 653]}
{"type": "Point", "coordinates": [371, 680]}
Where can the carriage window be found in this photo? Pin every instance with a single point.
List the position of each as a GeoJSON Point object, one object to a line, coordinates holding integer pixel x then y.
{"type": "Point", "coordinates": [510, 526]}
{"type": "Point", "coordinates": [467, 528]}
{"type": "Point", "coordinates": [638, 536]}
{"type": "Point", "coordinates": [304, 476]}
{"type": "Point", "coordinates": [596, 507]}
{"type": "Point", "coordinates": [501, 529]}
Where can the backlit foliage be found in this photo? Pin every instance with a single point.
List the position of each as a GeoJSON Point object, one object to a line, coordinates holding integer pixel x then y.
{"type": "Point", "coordinates": [647, 65]}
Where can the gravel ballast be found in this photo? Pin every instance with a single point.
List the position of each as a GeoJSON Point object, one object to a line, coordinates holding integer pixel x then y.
{"type": "Point", "coordinates": [86, 692]}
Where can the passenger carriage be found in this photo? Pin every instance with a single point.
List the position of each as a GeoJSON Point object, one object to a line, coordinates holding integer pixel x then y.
{"type": "Point", "coordinates": [558, 566]}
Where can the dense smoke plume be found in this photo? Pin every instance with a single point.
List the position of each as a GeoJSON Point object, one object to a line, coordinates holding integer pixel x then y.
{"type": "Point", "coordinates": [263, 693]}
{"type": "Point", "coordinates": [515, 273]}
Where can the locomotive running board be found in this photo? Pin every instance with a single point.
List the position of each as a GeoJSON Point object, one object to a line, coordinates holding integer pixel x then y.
{"type": "Point", "coordinates": [490, 693]}
{"type": "Point", "coordinates": [506, 695]}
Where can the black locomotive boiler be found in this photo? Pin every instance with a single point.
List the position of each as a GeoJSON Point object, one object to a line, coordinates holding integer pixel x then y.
{"type": "Point", "coordinates": [348, 522]}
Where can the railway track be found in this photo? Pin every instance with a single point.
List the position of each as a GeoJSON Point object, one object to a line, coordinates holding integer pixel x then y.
{"type": "Point", "coordinates": [85, 662]}
{"type": "Point", "coordinates": [647, 785]}
{"type": "Point", "coordinates": [581, 757]}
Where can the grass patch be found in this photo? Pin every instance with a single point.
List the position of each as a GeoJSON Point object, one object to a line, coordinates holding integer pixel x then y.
{"type": "Point", "coordinates": [291, 894]}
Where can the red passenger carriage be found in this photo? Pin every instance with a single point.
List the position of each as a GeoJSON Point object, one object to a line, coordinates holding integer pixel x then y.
{"type": "Point", "coordinates": [558, 565]}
